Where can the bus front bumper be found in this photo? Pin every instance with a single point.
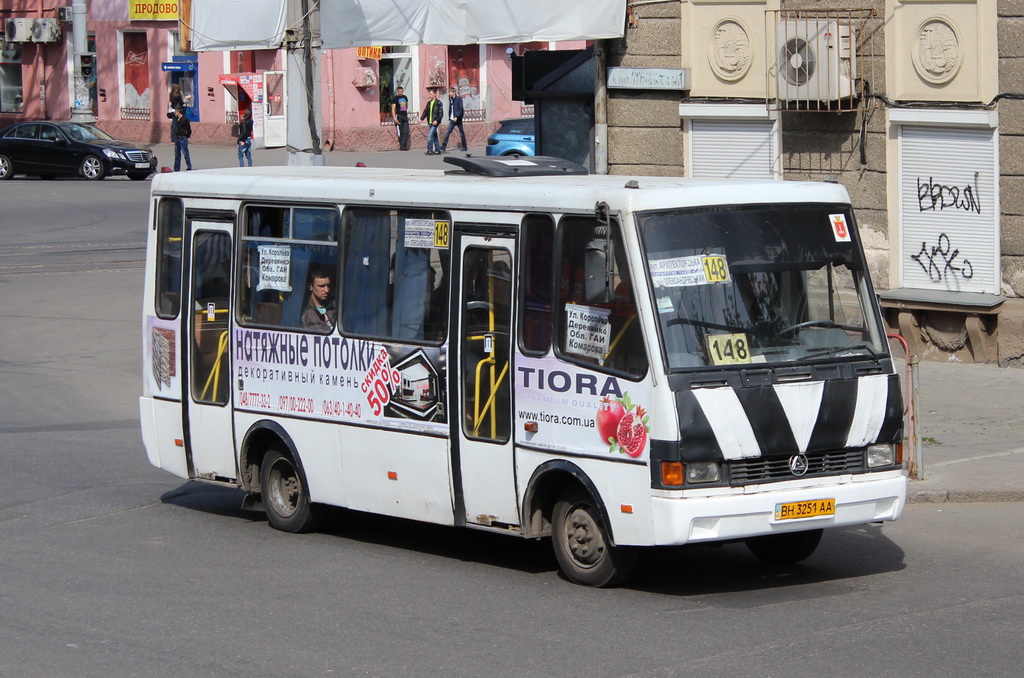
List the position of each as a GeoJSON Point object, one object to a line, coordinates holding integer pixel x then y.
{"type": "Point", "coordinates": [751, 511]}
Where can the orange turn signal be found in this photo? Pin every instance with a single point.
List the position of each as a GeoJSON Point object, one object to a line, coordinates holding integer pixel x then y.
{"type": "Point", "coordinates": [392, 475]}
{"type": "Point", "coordinates": [530, 427]}
{"type": "Point", "coordinates": [626, 508]}
{"type": "Point", "coordinates": [899, 453]}
{"type": "Point", "coordinates": [672, 473]}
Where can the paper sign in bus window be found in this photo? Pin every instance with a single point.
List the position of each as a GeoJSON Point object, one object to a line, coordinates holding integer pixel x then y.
{"type": "Point", "coordinates": [275, 268]}
{"type": "Point", "coordinates": [419, 234]}
{"type": "Point", "coordinates": [587, 331]}
{"type": "Point", "coordinates": [689, 271]}
{"type": "Point", "coordinates": [729, 349]}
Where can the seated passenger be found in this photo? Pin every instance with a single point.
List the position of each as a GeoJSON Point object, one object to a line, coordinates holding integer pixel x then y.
{"type": "Point", "coordinates": [319, 313]}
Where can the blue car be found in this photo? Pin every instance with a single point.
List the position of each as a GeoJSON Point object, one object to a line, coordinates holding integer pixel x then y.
{"type": "Point", "coordinates": [515, 136]}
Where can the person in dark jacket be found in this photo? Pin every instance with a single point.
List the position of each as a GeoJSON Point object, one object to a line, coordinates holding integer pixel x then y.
{"type": "Point", "coordinates": [432, 113]}
{"type": "Point", "coordinates": [182, 131]}
{"type": "Point", "coordinates": [245, 138]}
{"type": "Point", "coordinates": [456, 110]}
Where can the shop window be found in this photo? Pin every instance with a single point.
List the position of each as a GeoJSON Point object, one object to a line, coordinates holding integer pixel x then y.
{"type": "Point", "coordinates": [395, 283]}
{"type": "Point", "coordinates": [288, 267]}
{"type": "Point", "coordinates": [464, 76]}
{"type": "Point", "coordinates": [12, 96]}
{"type": "Point", "coordinates": [136, 101]}
{"type": "Point", "coordinates": [395, 70]}
{"type": "Point", "coordinates": [597, 323]}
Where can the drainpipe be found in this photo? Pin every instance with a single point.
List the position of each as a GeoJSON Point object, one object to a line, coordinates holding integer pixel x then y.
{"type": "Point", "coordinates": [600, 110]}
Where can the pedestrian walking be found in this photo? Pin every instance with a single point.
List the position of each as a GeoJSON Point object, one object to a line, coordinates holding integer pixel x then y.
{"type": "Point", "coordinates": [433, 112]}
{"type": "Point", "coordinates": [456, 111]}
{"type": "Point", "coordinates": [245, 138]}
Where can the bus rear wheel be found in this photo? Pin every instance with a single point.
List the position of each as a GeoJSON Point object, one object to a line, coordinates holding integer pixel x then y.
{"type": "Point", "coordinates": [582, 545]}
{"type": "Point", "coordinates": [785, 549]}
{"type": "Point", "coordinates": [285, 496]}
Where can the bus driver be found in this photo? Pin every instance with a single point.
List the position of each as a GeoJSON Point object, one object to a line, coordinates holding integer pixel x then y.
{"type": "Point", "coordinates": [319, 313]}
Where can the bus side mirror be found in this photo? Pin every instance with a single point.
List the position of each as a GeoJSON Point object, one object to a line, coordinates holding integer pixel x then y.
{"type": "Point", "coordinates": [597, 279]}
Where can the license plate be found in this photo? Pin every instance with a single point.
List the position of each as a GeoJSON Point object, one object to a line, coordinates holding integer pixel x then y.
{"type": "Point", "coordinates": [142, 165]}
{"type": "Point", "coordinates": [805, 509]}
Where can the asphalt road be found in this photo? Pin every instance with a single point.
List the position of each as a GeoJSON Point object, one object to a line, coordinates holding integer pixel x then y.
{"type": "Point", "coordinates": [109, 567]}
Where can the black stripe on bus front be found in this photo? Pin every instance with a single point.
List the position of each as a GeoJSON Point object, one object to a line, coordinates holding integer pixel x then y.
{"type": "Point", "coordinates": [768, 421]}
{"type": "Point", "coordinates": [892, 426]}
{"type": "Point", "coordinates": [835, 416]}
{"type": "Point", "coordinates": [697, 439]}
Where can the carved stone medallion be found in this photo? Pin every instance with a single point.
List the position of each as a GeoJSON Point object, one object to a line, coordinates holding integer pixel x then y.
{"type": "Point", "coordinates": [729, 50]}
{"type": "Point", "coordinates": [937, 51]}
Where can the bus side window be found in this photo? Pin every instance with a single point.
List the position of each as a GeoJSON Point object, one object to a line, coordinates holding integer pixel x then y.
{"type": "Point", "coordinates": [282, 249]}
{"type": "Point", "coordinates": [170, 228]}
{"type": "Point", "coordinates": [537, 278]}
{"type": "Point", "coordinates": [395, 279]}
{"type": "Point", "coordinates": [605, 335]}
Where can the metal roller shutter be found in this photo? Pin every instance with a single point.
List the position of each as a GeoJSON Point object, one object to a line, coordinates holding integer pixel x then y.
{"type": "Point", "coordinates": [732, 149]}
{"type": "Point", "coordinates": [949, 209]}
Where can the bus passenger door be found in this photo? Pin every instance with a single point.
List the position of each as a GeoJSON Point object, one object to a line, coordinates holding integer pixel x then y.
{"type": "Point", "coordinates": [209, 439]}
{"type": "Point", "coordinates": [484, 462]}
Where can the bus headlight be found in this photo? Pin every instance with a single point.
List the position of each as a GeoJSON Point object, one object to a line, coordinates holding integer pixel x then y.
{"type": "Point", "coordinates": [703, 472]}
{"type": "Point", "coordinates": [881, 455]}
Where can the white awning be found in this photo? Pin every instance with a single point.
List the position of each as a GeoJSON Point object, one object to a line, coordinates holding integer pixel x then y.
{"type": "Point", "coordinates": [356, 23]}
{"type": "Point", "coordinates": [219, 25]}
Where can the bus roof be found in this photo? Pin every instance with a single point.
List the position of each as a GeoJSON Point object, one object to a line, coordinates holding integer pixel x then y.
{"type": "Point", "coordinates": [464, 190]}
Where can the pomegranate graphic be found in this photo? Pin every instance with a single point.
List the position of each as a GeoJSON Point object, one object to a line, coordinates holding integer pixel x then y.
{"type": "Point", "coordinates": [632, 432]}
{"type": "Point", "coordinates": [622, 425]}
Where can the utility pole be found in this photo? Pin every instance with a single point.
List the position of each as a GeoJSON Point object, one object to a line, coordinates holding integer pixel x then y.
{"type": "Point", "coordinates": [84, 62]}
{"type": "Point", "coordinates": [302, 112]}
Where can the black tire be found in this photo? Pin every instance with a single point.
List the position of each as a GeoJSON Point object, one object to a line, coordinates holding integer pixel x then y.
{"type": "Point", "coordinates": [285, 496]}
{"type": "Point", "coordinates": [92, 168]}
{"type": "Point", "coordinates": [6, 168]}
{"type": "Point", "coordinates": [785, 549]}
{"type": "Point", "coordinates": [138, 177]}
{"type": "Point", "coordinates": [582, 545]}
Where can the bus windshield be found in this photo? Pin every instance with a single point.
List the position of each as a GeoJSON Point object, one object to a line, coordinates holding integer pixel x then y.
{"type": "Point", "coordinates": [761, 284]}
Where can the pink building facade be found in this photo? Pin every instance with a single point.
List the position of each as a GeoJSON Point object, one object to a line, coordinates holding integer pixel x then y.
{"type": "Point", "coordinates": [138, 57]}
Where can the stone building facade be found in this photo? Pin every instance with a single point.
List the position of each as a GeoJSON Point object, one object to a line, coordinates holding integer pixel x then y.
{"type": "Point", "coordinates": [915, 106]}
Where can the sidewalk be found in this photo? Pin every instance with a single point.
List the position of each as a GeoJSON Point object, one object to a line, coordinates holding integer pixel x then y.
{"type": "Point", "coordinates": [971, 416]}
{"type": "Point", "coordinates": [972, 433]}
{"type": "Point", "coordinates": [207, 157]}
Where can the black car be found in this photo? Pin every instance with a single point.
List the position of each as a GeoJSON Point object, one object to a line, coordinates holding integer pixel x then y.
{"type": "Point", "coordinates": [47, 149]}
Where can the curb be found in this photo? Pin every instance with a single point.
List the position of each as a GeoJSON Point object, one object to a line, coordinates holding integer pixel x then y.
{"type": "Point", "coordinates": [963, 496]}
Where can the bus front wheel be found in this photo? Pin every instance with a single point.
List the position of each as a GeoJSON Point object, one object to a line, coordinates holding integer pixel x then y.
{"type": "Point", "coordinates": [285, 496]}
{"type": "Point", "coordinates": [582, 545]}
{"type": "Point", "coordinates": [785, 549]}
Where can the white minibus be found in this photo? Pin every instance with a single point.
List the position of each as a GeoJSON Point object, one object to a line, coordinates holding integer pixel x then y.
{"type": "Point", "coordinates": [514, 345]}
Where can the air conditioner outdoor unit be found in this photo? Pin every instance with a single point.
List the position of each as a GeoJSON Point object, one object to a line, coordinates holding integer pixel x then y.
{"type": "Point", "coordinates": [18, 30]}
{"type": "Point", "coordinates": [45, 30]}
{"type": "Point", "coordinates": [817, 59]}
